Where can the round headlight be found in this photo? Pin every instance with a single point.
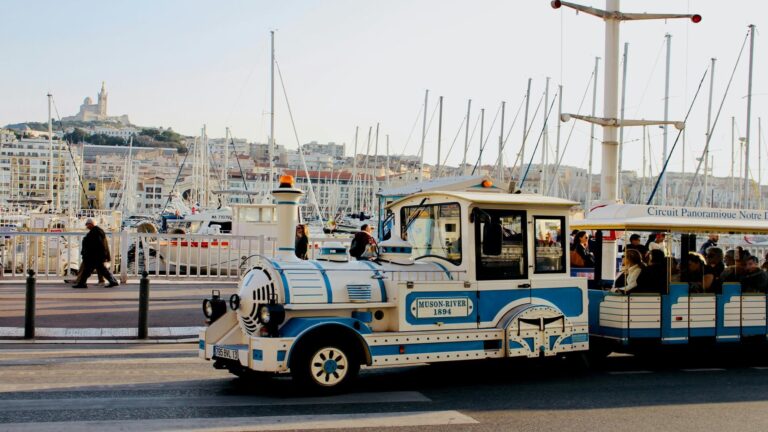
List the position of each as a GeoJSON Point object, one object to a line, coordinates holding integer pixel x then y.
{"type": "Point", "coordinates": [207, 308]}
{"type": "Point", "coordinates": [234, 301]}
{"type": "Point", "coordinates": [264, 315]}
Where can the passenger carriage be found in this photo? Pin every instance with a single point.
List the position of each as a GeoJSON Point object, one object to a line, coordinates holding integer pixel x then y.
{"type": "Point", "coordinates": [673, 314]}
{"type": "Point", "coordinates": [465, 275]}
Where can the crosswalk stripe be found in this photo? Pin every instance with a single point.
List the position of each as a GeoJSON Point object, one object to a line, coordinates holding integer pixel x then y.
{"type": "Point", "coordinates": [302, 422]}
{"type": "Point", "coordinates": [67, 404]}
{"type": "Point", "coordinates": [637, 372]}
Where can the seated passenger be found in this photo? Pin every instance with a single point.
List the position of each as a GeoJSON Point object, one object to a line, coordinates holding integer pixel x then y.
{"type": "Point", "coordinates": [694, 273]}
{"type": "Point", "coordinates": [711, 242]}
{"type": "Point", "coordinates": [713, 270]}
{"type": "Point", "coordinates": [634, 243]}
{"type": "Point", "coordinates": [754, 279]}
{"type": "Point", "coordinates": [653, 278]}
{"type": "Point", "coordinates": [580, 254]}
{"type": "Point", "coordinates": [633, 265]}
{"type": "Point", "coordinates": [734, 272]}
{"type": "Point", "coordinates": [765, 263]}
{"type": "Point", "coordinates": [659, 242]}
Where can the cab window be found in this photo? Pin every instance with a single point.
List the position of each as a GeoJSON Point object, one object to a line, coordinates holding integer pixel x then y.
{"type": "Point", "coordinates": [500, 244]}
{"type": "Point", "coordinates": [433, 230]}
{"type": "Point", "coordinates": [550, 244]}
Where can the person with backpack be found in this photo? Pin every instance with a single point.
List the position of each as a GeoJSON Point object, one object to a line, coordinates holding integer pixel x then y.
{"type": "Point", "coordinates": [364, 246]}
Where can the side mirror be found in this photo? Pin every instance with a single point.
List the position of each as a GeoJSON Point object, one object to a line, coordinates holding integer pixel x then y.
{"type": "Point", "coordinates": [492, 236]}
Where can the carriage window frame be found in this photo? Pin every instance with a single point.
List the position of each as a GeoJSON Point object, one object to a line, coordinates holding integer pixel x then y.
{"type": "Point", "coordinates": [423, 207]}
{"type": "Point", "coordinates": [561, 241]}
{"type": "Point", "coordinates": [485, 274]}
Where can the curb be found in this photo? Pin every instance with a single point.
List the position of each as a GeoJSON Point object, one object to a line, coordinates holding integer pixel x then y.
{"type": "Point", "coordinates": [96, 341]}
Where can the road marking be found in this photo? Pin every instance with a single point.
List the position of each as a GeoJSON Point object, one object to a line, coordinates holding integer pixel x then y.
{"type": "Point", "coordinates": [703, 370]}
{"type": "Point", "coordinates": [629, 372]}
{"type": "Point", "coordinates": [68, 404]}
{"type": "Point", "coordinates": [760, 367]}
{"type": "Point", "coordinates": [302, 422]}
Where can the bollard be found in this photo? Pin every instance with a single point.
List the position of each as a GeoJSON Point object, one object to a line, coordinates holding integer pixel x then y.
{"type": "Point", "coordinates": [29, 309]}
{"type": "Point", "coordinates": [143, 304]}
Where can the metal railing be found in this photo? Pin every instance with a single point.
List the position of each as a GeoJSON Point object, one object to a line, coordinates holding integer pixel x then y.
{"type": "Point", "coordinates": [171, 256]}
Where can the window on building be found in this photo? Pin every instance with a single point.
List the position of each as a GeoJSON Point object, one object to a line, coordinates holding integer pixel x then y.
{"type": "Point", "coordinates": [91, 187]}
{"type": "Point", "coordinates": [425, 227]}
{"type": "Point", "coordinates": [550, 244]}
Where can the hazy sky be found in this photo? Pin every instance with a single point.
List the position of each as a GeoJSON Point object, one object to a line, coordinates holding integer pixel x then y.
{"type": "Point", "coordinates": [355, 63]}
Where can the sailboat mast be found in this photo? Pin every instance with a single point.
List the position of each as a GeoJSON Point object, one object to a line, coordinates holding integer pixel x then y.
{"type": "Point", "coordinates": [623, 104]}
{"type": "Point", "coordinates": [749, 115]}
{"type": "Point", "coordinates": [544, 142]}
{"type": "Point", "coordinates": [50, 155]}
{"type": "Point", "coordinates": [466, 140]}
{"type": "Point", "coordinates": [525, 127]}
{"type": "Point", "coordinates": [480, 156]}
{"type": "Point", "coordinates": [665, 150]}
{"type": "Point", "coordinates": [353, 201]}
{"type": "Point", "coordinates": [423, 136]}
{"type": "Point", "coordinates": [272, 113]}
{"type": "Point", "coordinates": [376, 155]}
{"type": "Point", "coordinates": [439, 134]}
{"type": "Point", "coordinates": [500, 165]}
{"type": "Point", "coordinates": [225, 168]}
{"type": "Point", "coordinates": [588, 193]}
{"type": "Point", "coordinates": [706, 147]}
{"type": "Point", "coordinates": [386, 171]}
{"type": "Point", "coordinates": [557, 144]}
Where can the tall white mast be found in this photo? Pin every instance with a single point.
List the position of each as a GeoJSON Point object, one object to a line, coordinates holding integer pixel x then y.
{"type": "Point", "coordinates": [556, 175]}
{"type": "Point", "coordinates": [733, 160]}
{"type": "Point", "coordinates": [480, 155]}
{"type": "Point", "coordinates": [439, 135]}
{"type": "Point", "coordinates": [588, 193]}
{"type": "Point", "coordinates": [272, 114]}
{"type": "Point", "coordinates": [500, 167]}
{"type": "Point", "coordinates": [525, 127]}
{"type": "Point", "coordinates": [50, 155]}
{"type": "Point", "coordinates": [665, 149]}
{"type": "Point", "coordinates": [746, 200]}
{"type": "Point", "coordinates": [225, 168]}
{"type": "Point", "coordinates": [423, 137]}
{"type": "Point", "coordinates": [353, 195]}
{"type": "Point", "coordinates": [376, 155]}
{"type": "Point", "coordinates": [386, 171]}
{"type": "Point", "coordinates": [623, 104]}
{"type": "Point", "coordinates": [466, 140]}
{"type": "Point", "coordinates": [706, 147]}
{"type": "Point", "coordinates": [544, 141]}
{"type": "Point", "coordinates": [759, 163]}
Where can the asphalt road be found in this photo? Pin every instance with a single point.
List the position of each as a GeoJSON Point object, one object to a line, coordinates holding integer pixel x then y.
{"type": "Point", "coordinates": [166, 387]}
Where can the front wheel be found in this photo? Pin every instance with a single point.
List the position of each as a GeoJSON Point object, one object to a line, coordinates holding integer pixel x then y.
{"type": "Point", "coordinates": [325, 366]}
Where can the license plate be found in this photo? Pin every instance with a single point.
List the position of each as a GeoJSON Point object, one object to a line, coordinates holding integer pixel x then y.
{"type": "Point", "coordinates": [225, 353]}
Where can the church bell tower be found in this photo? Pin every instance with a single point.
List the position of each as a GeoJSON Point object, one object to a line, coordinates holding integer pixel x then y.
{"type": "Point", "coordinates": [102, 104]}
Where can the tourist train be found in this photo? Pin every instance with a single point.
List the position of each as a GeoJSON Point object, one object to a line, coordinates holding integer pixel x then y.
{"type": "Point", "coordinates": [465, 275]}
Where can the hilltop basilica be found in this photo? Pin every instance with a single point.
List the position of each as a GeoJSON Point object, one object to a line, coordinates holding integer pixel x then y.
{"type": "Point", "coordinates": [90, 111]}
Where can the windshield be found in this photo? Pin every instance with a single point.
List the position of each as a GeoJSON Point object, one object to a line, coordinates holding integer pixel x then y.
{"type": "Point", "coordinates": [433, 230]}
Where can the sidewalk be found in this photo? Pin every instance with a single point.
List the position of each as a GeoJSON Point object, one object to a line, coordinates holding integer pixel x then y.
{"type": "Point", "coordinates": [68, 315]}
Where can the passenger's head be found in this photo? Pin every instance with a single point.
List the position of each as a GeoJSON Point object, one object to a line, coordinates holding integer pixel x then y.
{"type": "Point", "coordinates": [632, 257]}
{"type": "Point", "coordinates": [657, 256]}
{"type": "Point", "coordinates": [367, 228]}
{"type": "Point", "coordinates": [695, 261]}
{"type": "Point", "coordinates": [714, 237]}
{"type": "Point", "coordinates": [581, 237]}
{"type": "Point", "coordinates": [730, 257]}
{"type": "Point", "coordinates": [302, 230]}
{"type": "Point", "coordinates": [714, 256]}
{"type": "Point", "coordinates": [660, 237]}
{"type": "Point", "coordinates": [752, 264]}
{"type": "Point", "coordinates": [634, 239]}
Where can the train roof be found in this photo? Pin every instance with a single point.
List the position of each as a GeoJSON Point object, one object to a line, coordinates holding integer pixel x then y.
{"type": "Point", "coordinates": [665, 218]}
{"type": "Point", "coordinates": [489, 198]}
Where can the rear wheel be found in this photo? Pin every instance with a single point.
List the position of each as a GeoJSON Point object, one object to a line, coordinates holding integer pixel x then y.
{"type": "Point", "coordinates": [325, 366]}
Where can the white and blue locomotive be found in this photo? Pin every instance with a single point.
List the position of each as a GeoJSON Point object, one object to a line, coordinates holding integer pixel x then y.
{"type": "Point", "coordinates": [465, 275]}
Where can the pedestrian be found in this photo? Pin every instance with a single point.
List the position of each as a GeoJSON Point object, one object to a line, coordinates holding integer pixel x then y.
{"type": "Point", "coordinates": [634, 243]}
{"type": "Point", "coordinates": [711, 242]}
{"type": "Point", "coordinates": [301, 244]}
{"type": "Point", "coordinates": [95, 252]}
{"type": "Point", "coordinates": [364, 246]}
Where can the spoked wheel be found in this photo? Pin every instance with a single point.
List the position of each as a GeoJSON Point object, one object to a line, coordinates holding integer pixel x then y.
{"type": "Point", "coordinates": [325, 367]}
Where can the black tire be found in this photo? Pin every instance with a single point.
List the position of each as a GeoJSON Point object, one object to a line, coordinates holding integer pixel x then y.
{"type": "Point", "coordinates": [325, 366]}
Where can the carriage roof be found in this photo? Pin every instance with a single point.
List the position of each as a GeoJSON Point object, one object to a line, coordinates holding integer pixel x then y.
{"type": "Point", "coordinates": [486, 198]}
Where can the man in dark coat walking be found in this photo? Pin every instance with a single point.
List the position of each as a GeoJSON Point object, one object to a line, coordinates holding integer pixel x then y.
{"type": "Point", "coordinates": [95, 252]}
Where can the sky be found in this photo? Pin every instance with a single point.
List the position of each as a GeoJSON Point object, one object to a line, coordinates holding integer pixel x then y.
{"type": "Point", "coordinates": [359, 63]}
